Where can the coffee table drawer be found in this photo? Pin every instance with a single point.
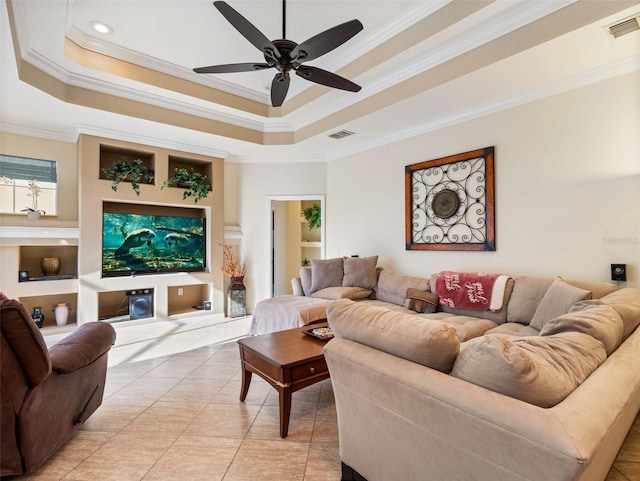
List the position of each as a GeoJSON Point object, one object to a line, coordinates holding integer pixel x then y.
{"type": "Point", "coordinates": [310, 369]}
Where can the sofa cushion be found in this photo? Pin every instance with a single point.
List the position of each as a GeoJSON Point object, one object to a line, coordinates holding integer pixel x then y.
{"type": "Point", "coordinates": [499, 316]}
{"type": "Point", "coordinates": [513, 329]}
{"type": "Point", "coordinates": [341, 292]}
{"type": "Point", "coordinates": [326, 273]}
{"type": "Point", "coordinates": [421, 301]}
{"type": "Point", "coordinates": [392, 286]}
{"type": "Point", "coordinates": [626, 302]}
{"type": "Point", "coordinates": [527, 294]}
{"type": "Point", "coordinates": [360, 272]}
{"type": "Point", "coordinates": [557, 301]}
{"type": "Point", "coordinates": [589, 317]}
{"type": "Point", "coordinates": [424, 341]}
{"type": "Point", "coordinates": [305, 280]}
{"type": "Point", "coordinates": [467, 327]}
{"type": "Point", "coordinates": [538, 370]}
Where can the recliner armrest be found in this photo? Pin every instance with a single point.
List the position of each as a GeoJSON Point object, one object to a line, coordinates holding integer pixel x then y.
{"type": "Point", "coordinates": [82, 347]}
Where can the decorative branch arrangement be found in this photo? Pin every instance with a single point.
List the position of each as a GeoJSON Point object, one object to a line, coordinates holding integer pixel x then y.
{"type": "Point", "coordinates": [231, 267]}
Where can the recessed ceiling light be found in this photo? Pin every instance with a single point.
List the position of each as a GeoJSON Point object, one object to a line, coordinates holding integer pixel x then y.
{"type": "Point", "coordinates": [101, 27]}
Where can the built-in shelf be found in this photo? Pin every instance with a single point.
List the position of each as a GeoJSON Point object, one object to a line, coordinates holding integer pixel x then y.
{"type": "Point", "coordinates": [46, 303]}
{"type": "Point", "coordinates": [190, 165]}
{"type": "Point", "coordinates": [187, 298]}
{"type": "Point", "coordinates": [310, 244]}
{"type": "Point", "coordinates": [110, 154]}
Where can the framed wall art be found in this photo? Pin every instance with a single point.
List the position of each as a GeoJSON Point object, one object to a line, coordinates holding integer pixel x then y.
{"type": "Point", "coordinates": [450, 203]}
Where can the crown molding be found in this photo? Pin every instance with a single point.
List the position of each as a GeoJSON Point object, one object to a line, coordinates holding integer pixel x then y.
{"type": "Point", "coordinates": [611, 70]}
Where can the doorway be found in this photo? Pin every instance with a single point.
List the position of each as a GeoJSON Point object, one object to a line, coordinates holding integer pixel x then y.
{"type": "Point", "coordinates": [293, 244]}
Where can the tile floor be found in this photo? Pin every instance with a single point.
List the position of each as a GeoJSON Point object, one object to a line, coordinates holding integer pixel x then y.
{"type": "Point", "coordinates": [171, 411]}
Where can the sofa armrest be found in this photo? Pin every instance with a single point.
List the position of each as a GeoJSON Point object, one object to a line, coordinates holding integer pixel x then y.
{"type": "Point", "coordinates": [296, 285]}
{"type": "Point", "coordinates": [82, 347]}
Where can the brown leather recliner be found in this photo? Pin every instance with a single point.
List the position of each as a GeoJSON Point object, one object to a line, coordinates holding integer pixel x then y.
{"type": "Point", "coordinates": [46, 394]}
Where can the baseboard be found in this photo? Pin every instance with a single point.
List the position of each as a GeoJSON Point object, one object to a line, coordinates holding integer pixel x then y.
{"type": "Point", "coordinates": [350, 474]}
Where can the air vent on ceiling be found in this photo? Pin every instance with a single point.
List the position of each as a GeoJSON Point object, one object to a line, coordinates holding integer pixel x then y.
{"type": "Point", "coordinates": [341, 134]}
{"type": "Point", "coordinates": [624, 27]}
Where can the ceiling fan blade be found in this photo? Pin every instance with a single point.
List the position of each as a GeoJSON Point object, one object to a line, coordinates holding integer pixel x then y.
{"type": "Point", "coordinates": [232, 67]}
{"type": "Point", "coordinates": [247, 29]}
{"type": "Point", "coordinates": [279, 88]}
{"type": "Point", "coordinates": [319, 76]}
{"type": "Point", "coordinates": [326, 41]}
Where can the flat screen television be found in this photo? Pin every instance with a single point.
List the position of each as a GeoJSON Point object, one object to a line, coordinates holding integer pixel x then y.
{"type": "Point", "coordinates": [140, 239]}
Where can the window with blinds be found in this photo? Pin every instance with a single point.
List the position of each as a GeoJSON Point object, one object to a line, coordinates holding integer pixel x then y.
{"type": "Point", "coordinates": [26, 184]}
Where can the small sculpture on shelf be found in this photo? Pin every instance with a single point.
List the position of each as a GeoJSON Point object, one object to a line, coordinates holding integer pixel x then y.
{"type": "Point", "coordinates": [38, 316]}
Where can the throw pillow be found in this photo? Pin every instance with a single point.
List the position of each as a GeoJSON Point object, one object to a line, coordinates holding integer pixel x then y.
{"type": "Point", "coordinates": [326, 273]}
{"type": "Point", "coordinates": [342, 292]}
{"type": "Point", "coordinates": [360, 272]}
{"type": "Point", "coordinates": [305, 280]}
{"type": "Point", "coordinates": [421, 301]}
{"type": "Point", "coordinates": [557, 301]}
{"type": "Point", "coordinates": [538, 370]}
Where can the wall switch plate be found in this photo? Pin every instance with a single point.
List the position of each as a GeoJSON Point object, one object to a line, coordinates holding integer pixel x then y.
{"type": "Point", "coordinates": [618, 272]}
{"type": "Point", "coordinates": [180, 291]}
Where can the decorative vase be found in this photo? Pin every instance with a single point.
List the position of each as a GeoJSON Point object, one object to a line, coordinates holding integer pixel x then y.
{"type": "Point", "coordinates": [61, 312]}
{"type": "Point", "coordinates": [50, 266]}
{"type": "Point", "coordinates": [33, 215]}
{"type": "Point", "coordinates": [38, 316]}
{"type": "Point", "coordinates": [237, 298]}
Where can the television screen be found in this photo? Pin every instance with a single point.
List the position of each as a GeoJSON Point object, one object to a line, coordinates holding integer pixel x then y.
{"type": "Point", "coordinates": [142, 243]}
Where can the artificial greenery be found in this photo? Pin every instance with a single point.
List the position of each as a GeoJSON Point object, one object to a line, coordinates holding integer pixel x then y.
{"type": "Point", "coordinates": [312, 216]}
{"type": "Point", "coordinates": [130, 171]}
{"type": "Point", "coordinates": [196, 184]}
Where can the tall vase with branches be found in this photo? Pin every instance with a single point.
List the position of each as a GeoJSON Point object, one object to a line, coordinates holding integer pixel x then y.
{"type": "Point", "coordinates": [236, 293]}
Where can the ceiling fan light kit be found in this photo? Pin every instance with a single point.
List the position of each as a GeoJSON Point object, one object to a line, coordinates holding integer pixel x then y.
{"type": "Point", "coordinates": [285, 55]}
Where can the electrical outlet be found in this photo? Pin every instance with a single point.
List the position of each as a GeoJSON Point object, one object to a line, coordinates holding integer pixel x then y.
{"type": "Point", "coordinates": [180, 291]}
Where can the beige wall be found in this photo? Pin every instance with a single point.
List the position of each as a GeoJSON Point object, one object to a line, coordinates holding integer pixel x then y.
{"type": "Point", "coordinates": [66, 156]}
{"type": "Point", "coordinates": [567, 189]}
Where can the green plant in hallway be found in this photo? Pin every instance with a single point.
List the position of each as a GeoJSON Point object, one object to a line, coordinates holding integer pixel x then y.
{"type": "Point", "coordinates": [196, 185]}
{"type": "Point", "coordinates": [312, 215]}
{"type": "Point", "coordinates": [133, 171]}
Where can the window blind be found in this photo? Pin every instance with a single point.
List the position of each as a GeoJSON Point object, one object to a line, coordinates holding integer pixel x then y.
{"type": "Point", "coordinates": [25, 168]}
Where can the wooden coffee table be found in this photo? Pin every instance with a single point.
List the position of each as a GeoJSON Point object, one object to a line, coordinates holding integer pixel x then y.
{"type": "Point", "coordinates": [288, 360]}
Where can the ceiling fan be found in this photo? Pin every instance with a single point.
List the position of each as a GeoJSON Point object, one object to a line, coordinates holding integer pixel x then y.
{"type": "Point", "coordinates": [286, 55]}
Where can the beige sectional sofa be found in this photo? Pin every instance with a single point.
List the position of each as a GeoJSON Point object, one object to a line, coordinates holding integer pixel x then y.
{"type": "Point", "coordinates": [544, 389]}
{"type": "Point", "coordinates": [328, 280]}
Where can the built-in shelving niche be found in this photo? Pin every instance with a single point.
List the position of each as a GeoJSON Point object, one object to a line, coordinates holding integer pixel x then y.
{"type": "Point", "coordinates": [110, 154]}
{"type": "Point", "coordinates": [191, 165]}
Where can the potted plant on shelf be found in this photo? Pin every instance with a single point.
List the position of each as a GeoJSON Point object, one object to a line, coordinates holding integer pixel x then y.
{"type": "Point", "coordinates": [312, 215]}
{"type": "Point", "coordinates": [196, 185]}
{"type": "Point", "coordinates": [33, 212]}
{"type": "Point", "coordinates": [132, 171]}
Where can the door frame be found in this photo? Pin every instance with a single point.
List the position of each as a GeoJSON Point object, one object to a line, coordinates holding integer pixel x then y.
{"type": "Point", "coordinates": [314, 197]}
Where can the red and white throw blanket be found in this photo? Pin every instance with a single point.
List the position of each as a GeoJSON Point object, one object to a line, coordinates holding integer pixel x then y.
{"type": "Point", "coordinates": [471, 290]}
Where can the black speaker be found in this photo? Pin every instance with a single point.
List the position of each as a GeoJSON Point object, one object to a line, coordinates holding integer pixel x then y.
{"type": "Point", "coordinates": [618, 272]}
{"type": "Point", "coordinates": [140, 303]}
